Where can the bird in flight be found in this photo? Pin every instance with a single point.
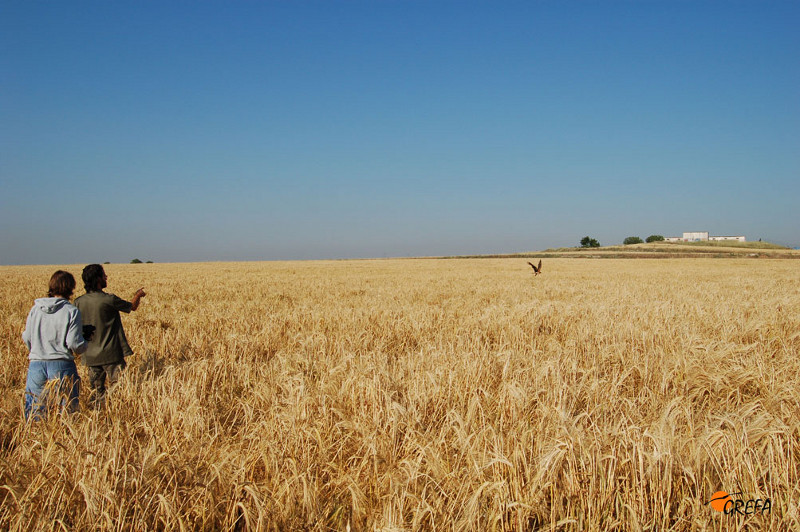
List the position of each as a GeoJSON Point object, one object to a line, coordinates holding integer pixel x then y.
{"type": "Point", "coordinates": [536, 269]}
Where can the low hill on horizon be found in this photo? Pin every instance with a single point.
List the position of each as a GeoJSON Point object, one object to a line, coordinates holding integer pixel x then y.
{"type": "Point", "coordinates": [664, 250]}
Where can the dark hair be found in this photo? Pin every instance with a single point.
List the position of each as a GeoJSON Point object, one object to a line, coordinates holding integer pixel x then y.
{"type": "Point", "coordinates": [91, 275]}
{"type": "Point", "coordinates": [61, 284]}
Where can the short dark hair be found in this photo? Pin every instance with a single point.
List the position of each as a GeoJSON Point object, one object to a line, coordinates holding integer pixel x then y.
{"type": "Point", "coordinates": [91, 275]}
{"type": "Point", "coordinates": [61, 284]}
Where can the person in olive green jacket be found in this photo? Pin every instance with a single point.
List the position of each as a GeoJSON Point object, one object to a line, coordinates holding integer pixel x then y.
{"type": "Point", "coordinates": [105, 356]}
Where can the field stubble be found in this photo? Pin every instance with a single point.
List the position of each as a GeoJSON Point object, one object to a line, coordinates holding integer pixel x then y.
{"type": "Point", "coordinates": [422, 394]}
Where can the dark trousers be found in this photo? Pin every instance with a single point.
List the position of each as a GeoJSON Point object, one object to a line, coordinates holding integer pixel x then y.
{"type": "Point", "coordinates": [101, 378]}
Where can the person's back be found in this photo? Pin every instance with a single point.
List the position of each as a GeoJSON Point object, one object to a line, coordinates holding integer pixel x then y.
{"type": "Point", "coordinates": [53, 330]}
{"type": "Point", "coordinates": [101, 310]}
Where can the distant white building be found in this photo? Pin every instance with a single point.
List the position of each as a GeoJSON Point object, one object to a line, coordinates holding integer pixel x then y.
{"type": "Point", "coordinates": [730, 238]}
{"type": "Point", "coordinates": [695, 236]}
{"type": "Point", "coordinates": [702, 236]}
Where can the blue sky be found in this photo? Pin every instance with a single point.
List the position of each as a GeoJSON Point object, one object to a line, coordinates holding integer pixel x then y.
{"type": "Point", "coordinates": [193, 131]}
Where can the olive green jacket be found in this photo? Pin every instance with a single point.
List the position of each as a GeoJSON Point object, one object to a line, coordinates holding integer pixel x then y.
{"type": "Point", "coordinates": [109, 344]}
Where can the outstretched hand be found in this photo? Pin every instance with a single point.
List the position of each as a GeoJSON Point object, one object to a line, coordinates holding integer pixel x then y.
{"type": "Point", "coordinates": [136, 297]}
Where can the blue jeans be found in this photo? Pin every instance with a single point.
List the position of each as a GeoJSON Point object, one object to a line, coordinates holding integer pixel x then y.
{"type": "Point", "coordinates": [47, 378]}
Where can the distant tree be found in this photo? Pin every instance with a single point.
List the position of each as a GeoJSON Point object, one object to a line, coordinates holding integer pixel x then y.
{"type": "Point", "coordinates": [632, 240]}
{"type": "Point", "coordinates": [654, 238]}
{"type": "Point", "coordinates": [136, 261]}
{"type": "Point", "coordinates": [106, 262]}
{"type": "Point", "coordinates": [587, 242]}
{"type": "Point", "coordinates": [149, 262]}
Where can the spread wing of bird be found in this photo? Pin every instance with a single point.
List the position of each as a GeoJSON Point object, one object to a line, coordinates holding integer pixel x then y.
{"type": "Point", "coordinates": [539, 269]}
{"type": "Point", "coordinates": [535, 269]}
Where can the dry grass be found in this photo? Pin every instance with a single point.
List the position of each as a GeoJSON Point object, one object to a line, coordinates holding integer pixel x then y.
{"type": "Point", "coordinates": [422, 394]}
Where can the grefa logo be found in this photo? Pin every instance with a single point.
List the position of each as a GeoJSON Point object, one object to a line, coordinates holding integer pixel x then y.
{"type": "Point", "coordinates": [726, 503]}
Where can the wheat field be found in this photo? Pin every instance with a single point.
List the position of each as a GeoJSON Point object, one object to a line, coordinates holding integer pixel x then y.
{"type": "Point", "coordinates": [421, 394]}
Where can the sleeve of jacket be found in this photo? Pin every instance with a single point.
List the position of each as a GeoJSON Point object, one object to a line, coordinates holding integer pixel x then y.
{"type": "Point", "coordinates": [121, 305]}
{"type": "Point", "coordinates": [26, 334]}
{"type": "Point", "coordinates": [75, 340]}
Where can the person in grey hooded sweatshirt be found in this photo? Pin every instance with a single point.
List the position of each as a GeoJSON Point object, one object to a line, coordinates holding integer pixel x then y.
{"type": "Point", "coordinates": [52, 331]}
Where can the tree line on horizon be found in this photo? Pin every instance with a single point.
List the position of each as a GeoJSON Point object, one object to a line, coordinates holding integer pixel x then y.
{"type": "Point", "coordinates": [588, 242]}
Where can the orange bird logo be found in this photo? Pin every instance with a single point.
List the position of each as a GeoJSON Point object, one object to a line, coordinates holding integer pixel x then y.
{"type": "Point", "coordinates": [719, 500]}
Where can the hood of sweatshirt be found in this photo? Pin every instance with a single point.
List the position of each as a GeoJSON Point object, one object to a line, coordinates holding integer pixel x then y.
{"type": "Point", "coordinates": [49, 305]}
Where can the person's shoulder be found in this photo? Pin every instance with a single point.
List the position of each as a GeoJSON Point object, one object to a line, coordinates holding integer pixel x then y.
{"type": "Point", "coordinates": [91, 298]}
{"type": "Point", "coordinates": [84, 298]}
{"type": "Point", "coordinates": [95, 294]}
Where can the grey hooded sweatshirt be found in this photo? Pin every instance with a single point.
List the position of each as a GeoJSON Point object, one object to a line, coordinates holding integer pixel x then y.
{"type": "Point", "coordinates": [53, 329]}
